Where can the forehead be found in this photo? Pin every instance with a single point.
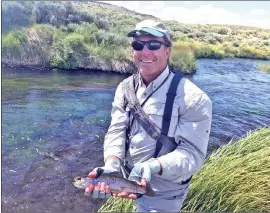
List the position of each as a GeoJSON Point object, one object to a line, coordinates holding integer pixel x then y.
{"type": "Point", "coordinates": [148, 38]}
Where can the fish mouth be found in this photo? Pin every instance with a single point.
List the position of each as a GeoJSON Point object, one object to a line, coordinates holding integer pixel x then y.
{"type": "Point", "coordinates": [78, 185]}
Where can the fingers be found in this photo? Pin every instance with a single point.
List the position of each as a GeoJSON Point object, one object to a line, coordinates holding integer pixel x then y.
{"type": "Point", "coordinates": [95, 193]}
{"type": "Point", "coordinates": [100, 190]}
{"type": "Point", "coordinates": [107, 192]}
{"type": "Point", "coordinates": [126, 195]}
{"type": "Point", "coordinates": [123, 194]}
{"type": "Point", "coordinates": [89, 189]}
{"type": "Point", "coordinates": [132, 196]}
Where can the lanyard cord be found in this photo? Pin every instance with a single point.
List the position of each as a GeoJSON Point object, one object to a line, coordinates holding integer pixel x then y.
{"type": "Point", "coordinates": [137, 86]}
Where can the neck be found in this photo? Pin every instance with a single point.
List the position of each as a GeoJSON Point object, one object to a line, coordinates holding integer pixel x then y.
{"type": "Point", "coordinates": [147, 79]}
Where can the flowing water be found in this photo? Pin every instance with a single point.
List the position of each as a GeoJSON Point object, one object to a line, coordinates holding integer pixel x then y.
{"type": "Point", "coordinates": [54, 122]}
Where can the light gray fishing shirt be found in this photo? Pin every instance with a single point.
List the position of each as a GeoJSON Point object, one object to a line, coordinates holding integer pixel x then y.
{"type": "Point", "coordinates": [190, 126]}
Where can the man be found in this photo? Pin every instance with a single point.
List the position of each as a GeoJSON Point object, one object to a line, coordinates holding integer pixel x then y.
{"type": "Point", "coordinates": [168, 173]}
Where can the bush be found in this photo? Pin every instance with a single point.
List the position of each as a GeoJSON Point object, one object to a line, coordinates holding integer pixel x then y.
{"type": "Point", "coordinates": [184, 62]}
{"type": "Point", "coordinates": [209, 51]}
{"type": "Point", "coordinates": [88, 31]}
{"type": "Point", "coordinates": [236, 44]}
{"type": "Point", "coordinates": [223, 31]}
{"type": "Point", "coordinates": [182, 58]}
{"type": "Point", "coordinates": [76, 43]}
{"type": "Point", "coordinates": [264, 67]}
{"type": "Point", "coordinates": [12, 43]}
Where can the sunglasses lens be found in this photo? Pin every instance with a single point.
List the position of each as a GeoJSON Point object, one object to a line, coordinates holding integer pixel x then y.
{"type": "Point", "coordinates": [153, 45]}
{"type": "Point", "coordinates": [137, 45]}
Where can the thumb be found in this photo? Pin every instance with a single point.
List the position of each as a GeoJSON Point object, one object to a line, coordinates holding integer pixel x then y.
{"type": "Point", "coordinates": [143, 182]}
{"type": "Point", "coordinates": [92, 174]}
{"type": "Point", "coordinates": [146, 173]}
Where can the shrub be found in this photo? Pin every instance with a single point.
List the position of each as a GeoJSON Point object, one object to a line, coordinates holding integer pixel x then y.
{"type": "Point", "coordinates": [223, 31]}
{"type": "Point", "coordinates": [236, 44]}
{"type": "Point", "coordinates": [182, 58]}
{"type": "Point", "coordinates": [76, 43]}
{"type": "Point", "coordinates": [184, 62]}
{"type": "Point", "coordinates": [264, 67]}
{"type": "Point", "coordinates": [12, 42]}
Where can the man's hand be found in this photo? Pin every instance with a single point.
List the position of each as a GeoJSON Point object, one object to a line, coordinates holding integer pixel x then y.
{"type": "Point", "coordinates": [101, 190]}
{"type": "Point", "coordinates": [142, 172]}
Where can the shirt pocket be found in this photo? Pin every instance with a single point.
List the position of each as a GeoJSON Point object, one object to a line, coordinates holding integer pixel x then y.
{"type": "Point", "coordinates": [155, 113]}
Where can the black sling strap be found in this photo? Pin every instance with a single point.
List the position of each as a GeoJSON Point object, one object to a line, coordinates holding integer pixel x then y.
{"type": "Point", "coordinates": [163, 139]}
{"type": "Point", "coordinates": [166, 120]}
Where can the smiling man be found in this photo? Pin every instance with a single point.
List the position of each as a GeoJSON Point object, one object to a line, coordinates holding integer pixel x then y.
{"type": "Point", "coordinates": [160, 126]}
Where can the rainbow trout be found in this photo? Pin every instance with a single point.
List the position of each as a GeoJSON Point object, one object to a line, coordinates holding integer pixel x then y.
{"type": "Point", "coordinates": [117, 184]}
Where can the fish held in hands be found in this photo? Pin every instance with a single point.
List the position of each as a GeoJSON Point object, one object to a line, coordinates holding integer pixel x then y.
{"type": "Point", "coordinates": [116, 183]}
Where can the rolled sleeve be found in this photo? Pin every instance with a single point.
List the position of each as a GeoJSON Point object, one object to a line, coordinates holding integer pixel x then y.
{"type": "Point", "coordinates": [114, 143]}
{"type": "Point", "coordinates": [192, 134]}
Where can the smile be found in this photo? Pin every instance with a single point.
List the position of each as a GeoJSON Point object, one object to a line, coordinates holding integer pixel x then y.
{"type": "Point", "coordinates": [147, 62]}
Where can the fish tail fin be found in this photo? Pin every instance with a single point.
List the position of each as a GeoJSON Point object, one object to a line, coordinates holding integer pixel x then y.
{"type": "Point", "coordinates": [149, 191]}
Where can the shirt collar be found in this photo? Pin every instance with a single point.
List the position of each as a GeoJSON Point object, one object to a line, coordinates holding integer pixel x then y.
{"type": "Point", "coordinates": [156, 83]}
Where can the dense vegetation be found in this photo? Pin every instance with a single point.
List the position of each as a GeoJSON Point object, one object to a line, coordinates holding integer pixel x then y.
{"type": "Point", "coordinates": [235, 178]}
{"type": "Point", "coordinates": [264, 67]}
{"type": "Point", "coordinates": [92, 35]}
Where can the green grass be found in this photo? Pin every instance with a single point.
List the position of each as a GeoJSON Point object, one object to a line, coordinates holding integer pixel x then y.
{"type": "Point", "coordinates": [235, 178]}
{"type": "Point", "coordinates": [92, 35]}
{"type": "Point", "coordinates": [264, 67]}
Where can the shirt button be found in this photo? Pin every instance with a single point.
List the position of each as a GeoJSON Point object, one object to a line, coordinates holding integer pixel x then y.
{"type": "Point", "coordinates": [144, 93]}
{"type": "Point", "coordinates": [131, 147]}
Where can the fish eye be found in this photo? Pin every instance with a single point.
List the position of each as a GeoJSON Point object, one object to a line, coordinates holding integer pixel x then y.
{"type": "Point", "coordinates": [78, 178]}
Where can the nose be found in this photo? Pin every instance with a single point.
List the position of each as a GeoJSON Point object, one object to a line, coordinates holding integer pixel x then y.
{"type": "Point", "coordinates": [145, 49]}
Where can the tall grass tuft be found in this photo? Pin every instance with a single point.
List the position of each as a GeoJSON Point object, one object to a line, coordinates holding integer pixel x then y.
{"type": "Point", "coordinates": [118, 205]}
{"type": "Point", "coordinates": [235, 178]}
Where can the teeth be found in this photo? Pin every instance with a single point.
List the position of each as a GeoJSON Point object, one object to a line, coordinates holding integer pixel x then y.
{"type": "Point", "coordinates": [146, 61]}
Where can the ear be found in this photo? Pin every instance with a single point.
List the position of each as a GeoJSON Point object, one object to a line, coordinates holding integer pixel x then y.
{"type": "Point", "coordinates": [168, 52]}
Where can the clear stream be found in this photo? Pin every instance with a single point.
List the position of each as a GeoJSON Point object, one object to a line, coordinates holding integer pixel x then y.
{"type": "Point", "coordinates": [54, 122]}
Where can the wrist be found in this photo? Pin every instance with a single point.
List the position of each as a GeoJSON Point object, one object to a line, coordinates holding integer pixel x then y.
{"type": "Point", "coordinates": [113, 163]}
{"type": "Point", "coordinates": [154, 165]}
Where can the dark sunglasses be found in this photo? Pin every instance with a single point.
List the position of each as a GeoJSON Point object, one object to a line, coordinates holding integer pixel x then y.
{"type": "Point", "coordinates": [151, 45]}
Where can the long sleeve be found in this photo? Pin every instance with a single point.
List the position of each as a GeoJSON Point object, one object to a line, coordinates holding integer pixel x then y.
{"type": "Point", "coordinates": [193, 130]}
{"type": "Point", "coordinates": [114, 143]}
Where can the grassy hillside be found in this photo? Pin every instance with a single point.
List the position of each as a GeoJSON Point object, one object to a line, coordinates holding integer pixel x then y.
{"type": "Point", "coordinates": [235, 178]}
{"type": "Point", "coordinates": [92, 35]}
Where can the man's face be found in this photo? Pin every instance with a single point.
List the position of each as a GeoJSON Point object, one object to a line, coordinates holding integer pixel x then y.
{"type": "Point", "coordinates": [151, 62]}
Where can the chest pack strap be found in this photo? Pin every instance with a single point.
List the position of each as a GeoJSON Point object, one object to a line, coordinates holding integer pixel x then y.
{"type": "Point", "coordinates": [167, 114]}
{"type": "Point", "coordinates": [142, 118]}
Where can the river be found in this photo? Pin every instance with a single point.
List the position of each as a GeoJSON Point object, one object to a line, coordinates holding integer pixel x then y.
{"type": "Point", "coordinates": [54, 122]}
